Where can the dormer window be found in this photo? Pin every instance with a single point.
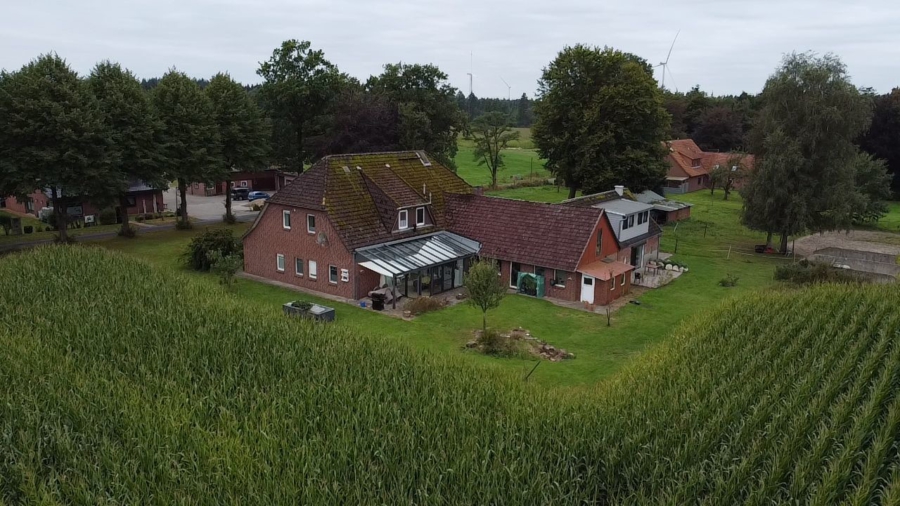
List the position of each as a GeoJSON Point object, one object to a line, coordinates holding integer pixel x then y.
{"type": "Point", "coordinates": [403, 219]}
{"type": "Point", "coordinates": [695, 163]}
{"type": "Point", "coordinates": [420, 216]}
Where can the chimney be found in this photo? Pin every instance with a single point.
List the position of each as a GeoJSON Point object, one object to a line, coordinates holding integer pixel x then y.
{"type": "Point", "coordinates": [620, 189]}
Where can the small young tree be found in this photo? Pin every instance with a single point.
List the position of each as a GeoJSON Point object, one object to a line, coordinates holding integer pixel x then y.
{"type": "Point", "coordinates": [727, 175]}
{"type": "Point", "coordinates": [491, 133]}
{"type": "Point", "coordinates": [486, 290]}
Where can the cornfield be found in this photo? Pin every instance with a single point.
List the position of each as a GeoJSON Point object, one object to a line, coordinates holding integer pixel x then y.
{"type": "Point", "coordinates": [122, 384]}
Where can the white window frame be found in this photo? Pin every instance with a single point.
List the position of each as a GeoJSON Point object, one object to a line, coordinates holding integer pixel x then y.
{"type": "Point", "coordinates": [298, 267]}
{"type": "Point", "coordinates": [311, 230]}
{"type": "Point", "coordinates": [313, 271]}
{"type": "Point", "coordinates": [286, 219]}
{"type": "Point", "coordinates": [557, 278]}
{"type": "Point", "coordinates": [336, 275]}
{"type": "Point", "coordinates": [243, 184]}
{"type": "Point", "coordinates": [279, 262]}
{"type": "Point", "coordinates": [345, 275]}
{"type": "Point", "coordinates": [403, 219]}
{"type": "Point", "coordinates": [422, 222]}
{"type": "Point", "coordinates": [622, 283]}
{"type": "Point", "coordinates": [631, 221]}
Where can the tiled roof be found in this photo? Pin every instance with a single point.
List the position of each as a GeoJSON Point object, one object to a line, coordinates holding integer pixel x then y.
{"type": "Point", "coordinates": [682, 153]}
{"type": "Point", "coordinates": [547, 235]}
{"type": "Point", "coordinates": [605, 270]}
{"type": "Point", "coordinates": [710, 160]}
{"type": "Point", "coordinates": [361, 192]}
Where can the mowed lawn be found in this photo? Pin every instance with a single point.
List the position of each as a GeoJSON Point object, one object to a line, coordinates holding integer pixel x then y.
{"type": "Point", "coordinates": [600, 350]}
{"type": "Point", "coordinates": [519, 164]}
{"type": "Point", "coordinates": [45, 235]}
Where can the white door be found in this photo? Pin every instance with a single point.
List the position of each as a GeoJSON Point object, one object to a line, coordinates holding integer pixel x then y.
{"type": "Point", "coordinates": [587, 289]}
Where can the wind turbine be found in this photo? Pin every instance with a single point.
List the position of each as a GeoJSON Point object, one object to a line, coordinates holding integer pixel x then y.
{"type": "Point", "coordinates": [509, 89]}
{"type": "Point", "coordinates": [665, 64]}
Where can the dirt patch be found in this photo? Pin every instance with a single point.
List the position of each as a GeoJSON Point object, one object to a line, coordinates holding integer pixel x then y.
{"type": "Point", "coordinates": [860, 240]}
{"type": "Point", "coordinates": [517, 341]}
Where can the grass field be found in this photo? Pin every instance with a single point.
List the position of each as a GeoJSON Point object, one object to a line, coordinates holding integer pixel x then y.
{"type": "Point", "coordinates": [600, 350]}
{"type": "Point", "coordinates": [550, 194]}
{"type": "Point", "coordinates": [519, 163]}
{"type": "Point", "coordinates": [143, 385]}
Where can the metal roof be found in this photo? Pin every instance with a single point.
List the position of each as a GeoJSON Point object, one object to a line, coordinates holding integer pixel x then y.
{"type": "Point", "coordinates": [393, 259]}
{"type": "Point", "coordinates": [659, 202]}
{"type": "Point", "coordinates": [623, 206]}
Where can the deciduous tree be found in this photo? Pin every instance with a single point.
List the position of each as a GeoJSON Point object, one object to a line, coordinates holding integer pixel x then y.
{"type": "Point", "coordinates": [719, 129]}
{"type": "Point", "coordinates": [430, 118]}
{"type": "Point", "coordinates": [53, 136]}
{"type": "Point", "coordinates": [590, 141]}
{"type": "Point", "coordinates": [485, 288]}
{"type": "Point", "coordinates": [188, 135]}
{"type": "Point", "coordinates": [131, 125]}
{"type": "Point", "coordinates": [491, 133]}
{"type": "Point", "coordinates": [243, 133]}
{"type": "Point", "coordinates": [300, 85]}
{"type": "Point", "coordinates": [805, 178]}
{"type": "Point", "coordinates": [882, 139]}
{"type": "Point", "coordinates": [726, 176]}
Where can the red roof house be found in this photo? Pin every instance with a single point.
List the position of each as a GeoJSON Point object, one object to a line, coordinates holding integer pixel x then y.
{"type": "Point", "coordinates": [689, 166]}
{"type": "Point", "coordinates": [355, 223]}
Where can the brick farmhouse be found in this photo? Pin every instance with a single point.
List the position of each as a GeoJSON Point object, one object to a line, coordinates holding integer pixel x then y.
{"type": "Point", "coordinates": [142, 199]}
{"type": "Point", "coordinates": [271, 180]}
{"type": "Point", "coordinates": [352, 224]}
{"type": "Point", "coordinates": [690, 167]}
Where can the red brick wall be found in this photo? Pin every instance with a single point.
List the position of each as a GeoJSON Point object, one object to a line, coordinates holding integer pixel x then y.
{"type": "Point", "coordinates": [697, 183]}
{"type": "Point", "coordinates": [269, 238]}
{"type": "Point", "coordinates": [40, 201]}
{"type": "Point", "coordinates": [603, 295]}
{"type": "Point", "coordinates": [681, 214]}
{"type": "Point", "coordinates": [572, 291]}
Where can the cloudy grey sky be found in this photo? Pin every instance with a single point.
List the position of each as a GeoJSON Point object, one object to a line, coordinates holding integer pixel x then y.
{"type": "Point", "coordinates": [725, 46]}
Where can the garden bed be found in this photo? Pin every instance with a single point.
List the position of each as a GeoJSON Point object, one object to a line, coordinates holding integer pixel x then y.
{"type": "Point", "coordinates": [310, 310]}
{"type": "Point", "coordinates": [518, 343]}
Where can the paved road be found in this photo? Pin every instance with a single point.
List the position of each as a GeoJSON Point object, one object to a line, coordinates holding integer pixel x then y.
{"type": "Point", "coordinates": [207, 208]}
{"type": "Point", "coordinates": [5, 248]}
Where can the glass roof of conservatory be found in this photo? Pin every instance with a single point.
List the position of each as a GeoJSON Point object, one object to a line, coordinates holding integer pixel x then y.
{"type": "Point", "coordinates": [393, 259]}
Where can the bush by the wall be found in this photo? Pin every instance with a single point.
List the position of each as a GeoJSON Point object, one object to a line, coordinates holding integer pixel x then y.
{"type": "Point", "coordinates": [107, 216]}
{"type": "Point", "coordinates": [422, 305]}
{"type": "Point", "coordinates": [210, 245]}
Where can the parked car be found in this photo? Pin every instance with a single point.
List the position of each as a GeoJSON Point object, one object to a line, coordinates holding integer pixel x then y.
{"type": "Point", "coordinates": [239, 193]}
{"type": "Point", "coordinates": [258, 196]}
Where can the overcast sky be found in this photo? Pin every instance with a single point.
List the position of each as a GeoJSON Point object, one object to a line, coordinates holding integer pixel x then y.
{"type": "Point", "coordinates": [725, 46]}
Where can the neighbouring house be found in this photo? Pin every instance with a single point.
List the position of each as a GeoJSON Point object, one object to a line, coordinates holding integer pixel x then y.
{"type": "Point", "coordinates": [352, 224]}
{"type": "Point", "coordinates": [637, 234]}
{"type": "Point", "coordinates": [664, 210]}
{"type": "Point", "coordinates": [270, 180]}
{"type": "Point", "coordinates": [573, 250]}
{"type": "Point", "coordinates": [142, 199]}
{"type": "Point", "coordinates": [689, 166]}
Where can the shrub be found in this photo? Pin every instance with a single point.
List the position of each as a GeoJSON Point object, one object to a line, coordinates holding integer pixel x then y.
{"type": "Point", "coordinates": [302, 305]}
{"type": "Point", "coordinates": [38, 228]}
{"type": "Point", "coordinates": [183, 225]}
{"type": "Point", "coordinates": [28, 229]}
{"type": "Point", "coordinates": [221, 241]}
{"type": "Point", "coordinates": [6, 223]}
{"type": "Point", "coordinates": [139, 218]}
{"type": "Point", "coordinates": [229, 219]}
{"type": "Point", "coordinates": [729, 280]}
{"type": "Point", "coordinates": [107, 217]}
{"type": "Point", "coordinates": [494, 343]}
{"type": "Point", "coordinates": [129, 232]}
{"type": "Point", "coordinates": [422, 305]}
{"type": "Point", "coordinates": [807, 272]}
{"type": "Point", "coordinates": [224, 266]}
